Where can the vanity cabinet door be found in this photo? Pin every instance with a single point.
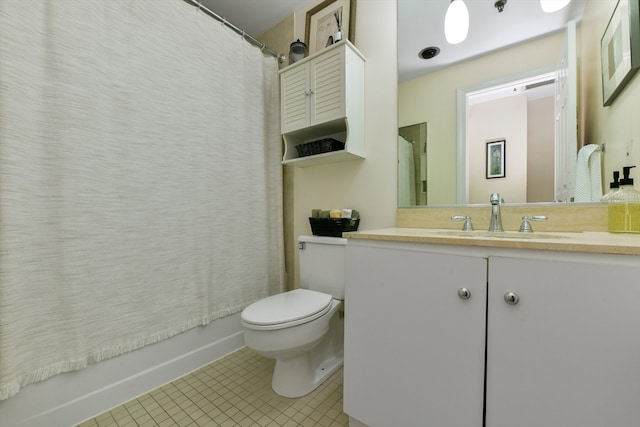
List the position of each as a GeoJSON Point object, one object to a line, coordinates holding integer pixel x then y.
{"type": "Point", "coordinates": [567, 352]}
{"type": "Point", "coordinates": [414, 349]}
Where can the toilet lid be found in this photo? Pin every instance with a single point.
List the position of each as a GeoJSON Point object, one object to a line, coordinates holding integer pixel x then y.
{"type": "Point", "coordinates": [287, 307]}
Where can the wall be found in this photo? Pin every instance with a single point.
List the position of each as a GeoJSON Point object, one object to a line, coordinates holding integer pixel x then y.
{"type": "Point", "coordinates": [506, 119]}
{"type": "Point", "coordinates": [432, 98]}
{"type": "Point", "coordinates": [278, 38]}
{"type": "Point", "coordinates": [369, 185]}
{"type": "Point", "coordinates": [618, 124]}
{"type": "Point", "coordinates": [528, 172]}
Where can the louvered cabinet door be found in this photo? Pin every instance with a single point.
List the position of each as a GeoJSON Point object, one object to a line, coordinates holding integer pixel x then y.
{"type": "Point", "coordinates": [328, 86]}
{"type": "Point", "coordinates": [295, 92]}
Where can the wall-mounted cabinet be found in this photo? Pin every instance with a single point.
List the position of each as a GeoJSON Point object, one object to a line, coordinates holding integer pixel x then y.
{"type": "Point", "coordinates": [322, 97]}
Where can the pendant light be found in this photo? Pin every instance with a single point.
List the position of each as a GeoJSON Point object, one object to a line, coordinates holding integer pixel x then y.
{"type": "Point", "coordinates": [550, 6]}
{"type": "Point", "coordinates": [456, 22]}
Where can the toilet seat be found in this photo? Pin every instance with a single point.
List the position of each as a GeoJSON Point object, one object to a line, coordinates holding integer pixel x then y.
{"type": "Point", "coordinates": [286, 309]}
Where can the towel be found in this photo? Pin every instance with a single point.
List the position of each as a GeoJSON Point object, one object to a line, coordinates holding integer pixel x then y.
{"type": "Point", "coordinates": [588, 174]}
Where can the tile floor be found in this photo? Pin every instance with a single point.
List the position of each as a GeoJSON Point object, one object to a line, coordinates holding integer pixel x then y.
{"type": "Point", "coordinates": [232, 391]}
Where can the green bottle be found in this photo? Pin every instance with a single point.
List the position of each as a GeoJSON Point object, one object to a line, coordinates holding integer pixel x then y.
{"type": "Point", "coordinates": [624, 206]}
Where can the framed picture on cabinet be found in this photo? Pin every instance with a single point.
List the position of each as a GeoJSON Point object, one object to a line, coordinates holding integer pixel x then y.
{"type": "Point", "coordinates": [330, 22]}
{"type": "Point", "coordinates": [620, 49]}
{"type": "Point", "coordinates": [495, 159]}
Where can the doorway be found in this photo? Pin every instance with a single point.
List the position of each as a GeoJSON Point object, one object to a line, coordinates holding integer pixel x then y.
{"type": "Point", "coordinates": [520, 113]}
{"type": "Point", "coordinates": [565, 119]}
{"type": "Point", "coordinates": [530, 86]}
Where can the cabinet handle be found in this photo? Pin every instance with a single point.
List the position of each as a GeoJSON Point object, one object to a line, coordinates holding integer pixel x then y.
{"type": "Point", "coordinates": [464, 293]}
{"type": "Point", "coordinates": [511, 298]}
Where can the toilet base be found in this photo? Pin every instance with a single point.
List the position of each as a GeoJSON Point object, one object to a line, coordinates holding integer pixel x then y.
{"type": "Point", "coordinates": [300, 375]}
{"type": "Point", "coordinates": [296, 377]}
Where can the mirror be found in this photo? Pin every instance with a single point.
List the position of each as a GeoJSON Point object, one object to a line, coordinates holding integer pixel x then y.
{"type": "Point", "coordinates": [453, 178]}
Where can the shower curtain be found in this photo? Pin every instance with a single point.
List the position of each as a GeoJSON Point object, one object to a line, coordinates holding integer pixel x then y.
{"type": "Point", "coordinates": [406, 173]}
{"type": "Point", "coordinates": [140, 179]}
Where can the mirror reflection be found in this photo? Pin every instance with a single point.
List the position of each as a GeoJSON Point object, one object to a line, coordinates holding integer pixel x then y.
{"type": "Point", "coordinates": [518, 168]}
{"type": "Point", "coordinates": [522, 115]}
{"type": "Point", "coordinates": [461, 104]}
{"type": "Point", "coordinates": [412, 165]}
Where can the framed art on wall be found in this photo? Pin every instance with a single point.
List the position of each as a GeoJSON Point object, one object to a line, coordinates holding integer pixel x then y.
{"type": "Point", "coordinates": [495, 159]}
{"type": "Point", "coordinates": [329, 22]}
{"type": "Point", "coordinates": [620, 49]}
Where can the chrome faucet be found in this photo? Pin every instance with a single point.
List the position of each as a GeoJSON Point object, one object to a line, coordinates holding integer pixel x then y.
{"type": "Point", "coordinates": [496, 219]}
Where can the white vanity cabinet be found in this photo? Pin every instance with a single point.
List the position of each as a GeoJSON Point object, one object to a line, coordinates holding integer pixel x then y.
{"type": "Point", "coordinates": [568, 352]}
{"type": "Point", "coordinates": [414, 349]}
{"type": "Point", "coordinates": [562, 337]}
{"type": "Point", "coordinates": [322, 96]}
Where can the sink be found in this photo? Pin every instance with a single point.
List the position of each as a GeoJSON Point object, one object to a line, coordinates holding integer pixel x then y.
{"type": "Point", "coordinates": [500, 235]}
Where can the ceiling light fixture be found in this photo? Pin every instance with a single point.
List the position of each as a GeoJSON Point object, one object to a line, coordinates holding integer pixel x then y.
{"type": "Point", "coordinates": [550, 6]}
{"type": "Point", "coordinates": [456, 22]}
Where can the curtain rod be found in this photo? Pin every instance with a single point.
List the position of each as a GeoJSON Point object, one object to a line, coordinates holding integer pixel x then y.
{"type": "Point", "coordinates": [263, 47]}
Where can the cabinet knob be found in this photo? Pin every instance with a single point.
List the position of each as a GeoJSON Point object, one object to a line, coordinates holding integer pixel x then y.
{"type": "Point", "coordinates": [511, 298]}
{"type": "Point", "coordinates": [464, 293]}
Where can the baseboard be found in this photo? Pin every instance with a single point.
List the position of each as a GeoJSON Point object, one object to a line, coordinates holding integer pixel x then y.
{"type": "Point", "coordinates": [70, 398]}
{"type": "Point", "coordinates": [355, 423]}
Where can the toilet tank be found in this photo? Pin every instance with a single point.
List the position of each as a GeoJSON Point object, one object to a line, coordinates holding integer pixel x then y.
{"type": "Point", "coordinates": [321, 263]}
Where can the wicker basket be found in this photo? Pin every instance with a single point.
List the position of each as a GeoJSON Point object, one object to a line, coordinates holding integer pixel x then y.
{"type": "Point", "coordinates": [320, 146]}
{"type": "Point", "coordinates": [333, 227]}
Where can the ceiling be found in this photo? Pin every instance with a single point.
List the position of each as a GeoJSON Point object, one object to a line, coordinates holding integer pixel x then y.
{"type": "Point", "coordinates": [421, 25]}
{"type": "Point", "coordinates": [255, 16]}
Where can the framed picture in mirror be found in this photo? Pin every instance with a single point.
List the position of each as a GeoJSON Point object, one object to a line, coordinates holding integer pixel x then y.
{"type": "Point", "coordinates": [495, 159]}
{"type": "Point", "coordinates": [620, 49]}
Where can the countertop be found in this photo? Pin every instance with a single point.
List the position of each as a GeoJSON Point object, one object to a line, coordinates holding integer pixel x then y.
{"type": "Point", "coordinates": [587, 241]}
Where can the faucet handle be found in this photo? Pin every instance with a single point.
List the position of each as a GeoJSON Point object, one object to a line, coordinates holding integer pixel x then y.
{"type": "Point", "coordinates": [525, 227]}
{"type": "Point", "coordinates": [467, 222]}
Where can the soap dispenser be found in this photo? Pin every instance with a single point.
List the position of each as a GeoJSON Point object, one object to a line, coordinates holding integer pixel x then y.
{"type": "Point", "coordinates": [613, 187]}
{"type": "Point", "coordinates": [624, 206]}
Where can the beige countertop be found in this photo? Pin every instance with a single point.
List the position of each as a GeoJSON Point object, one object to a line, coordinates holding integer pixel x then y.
{"type": "Point", "coordinates": [587, 241]}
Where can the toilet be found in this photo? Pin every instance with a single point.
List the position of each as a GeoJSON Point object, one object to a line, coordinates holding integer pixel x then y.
{"type": "Point", "coordinates": [303, 329]}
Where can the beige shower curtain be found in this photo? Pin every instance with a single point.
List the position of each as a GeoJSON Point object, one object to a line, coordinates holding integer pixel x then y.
{"type": "Point", "coordinates": [140, 179]}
